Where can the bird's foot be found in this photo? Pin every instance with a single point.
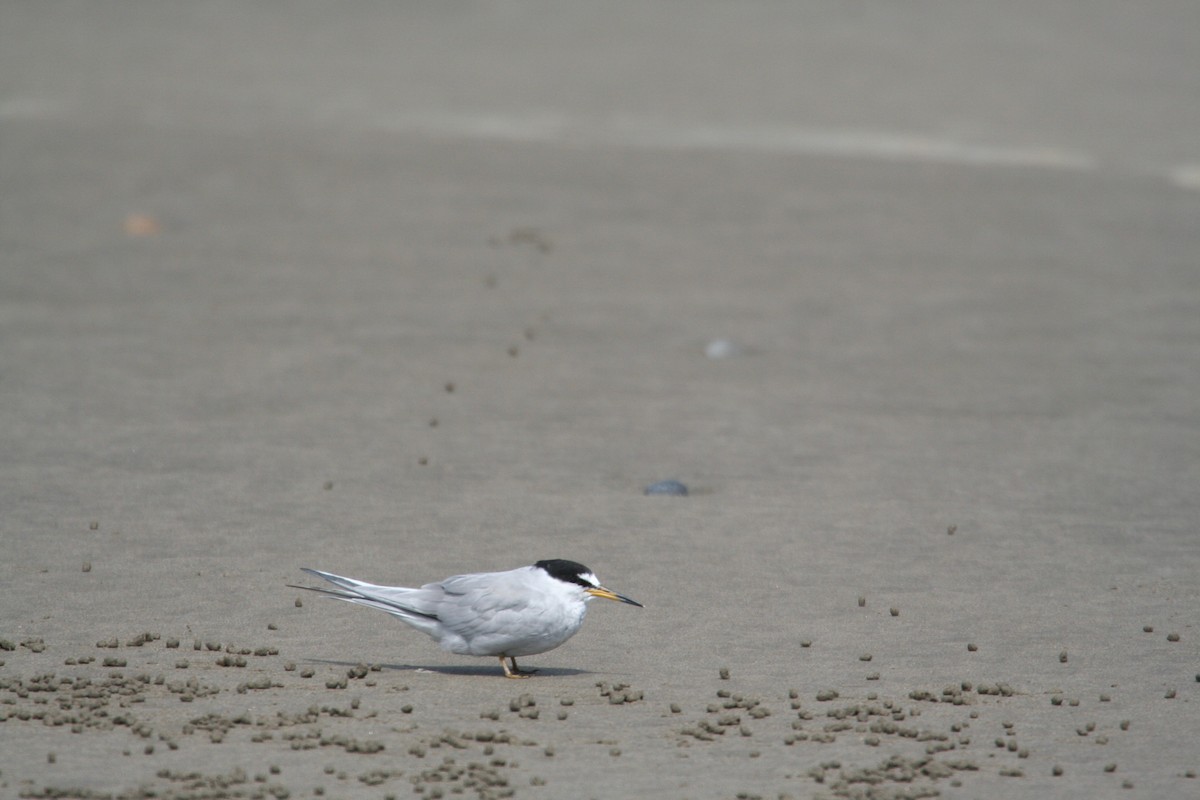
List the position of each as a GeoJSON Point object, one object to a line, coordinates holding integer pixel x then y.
{"type": "Point", "coordinates": [514, 671]}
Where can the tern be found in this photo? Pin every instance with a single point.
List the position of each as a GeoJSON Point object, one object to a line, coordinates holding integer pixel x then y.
{"type": "Point", "coordinates": [520, 612]}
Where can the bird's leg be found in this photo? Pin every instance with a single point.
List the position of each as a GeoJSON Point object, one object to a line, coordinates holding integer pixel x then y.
{"type": "Point", "coordinates": [515, 672]}
{"type": "Point", "coordinates": [509, 673]}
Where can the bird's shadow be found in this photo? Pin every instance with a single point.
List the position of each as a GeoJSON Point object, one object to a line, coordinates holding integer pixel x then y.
{"type": "Point", "coordinates": [455, 669]}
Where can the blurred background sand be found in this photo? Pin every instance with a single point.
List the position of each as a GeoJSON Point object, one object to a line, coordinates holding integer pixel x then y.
{"type": "Point", "coordinates": [400, 291]}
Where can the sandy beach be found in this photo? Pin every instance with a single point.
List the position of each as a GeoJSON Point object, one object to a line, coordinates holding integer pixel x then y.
{"type": "Point", "coordinates": [908, 298]}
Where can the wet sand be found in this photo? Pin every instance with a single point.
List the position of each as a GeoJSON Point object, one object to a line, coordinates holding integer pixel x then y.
{"type": "Point", "coordinates": [277, 297]}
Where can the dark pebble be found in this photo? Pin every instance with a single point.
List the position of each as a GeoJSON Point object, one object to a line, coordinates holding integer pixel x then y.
{"type": "Point", "coordinates": [669, 487]}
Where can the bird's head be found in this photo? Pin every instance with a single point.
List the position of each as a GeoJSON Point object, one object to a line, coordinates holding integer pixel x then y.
{"type": "Point", "coordinates": [573, 572]}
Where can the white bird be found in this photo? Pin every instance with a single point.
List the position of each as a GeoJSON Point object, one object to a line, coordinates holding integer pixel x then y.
{"type": "Point", "coordinates": [520, 612]}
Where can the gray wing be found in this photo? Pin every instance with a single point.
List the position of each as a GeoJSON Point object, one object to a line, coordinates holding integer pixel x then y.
{"type": "Point", "coordinates": [397, 600]}
{"type": "Point", "coordinates": [486, 610]}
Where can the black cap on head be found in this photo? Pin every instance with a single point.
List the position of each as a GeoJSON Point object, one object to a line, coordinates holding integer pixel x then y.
{"type": "Point", "coordinates": [566, 571]}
